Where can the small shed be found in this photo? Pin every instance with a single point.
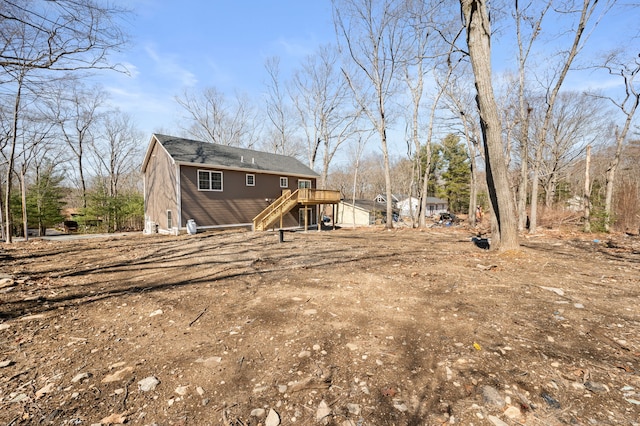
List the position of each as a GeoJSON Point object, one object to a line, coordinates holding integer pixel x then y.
{"type": "Point", "coordinates": [360, 212]}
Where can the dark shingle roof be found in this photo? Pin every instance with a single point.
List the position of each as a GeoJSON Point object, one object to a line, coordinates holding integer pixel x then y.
{"type": "Point", "coordinates": [198, 152]}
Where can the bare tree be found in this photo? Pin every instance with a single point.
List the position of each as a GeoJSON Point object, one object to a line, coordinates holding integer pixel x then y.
{"type": "Point", "coordinates": [35, 133]}
{"type": "Point", "coordinates": [327, 115]}
{"type": "Point", "coordinates": [62, 35]}
{"type": "Point", "coordinates": [528, 18]}
{"type": "Point", "coordinates": [578, 120]}
{"type": "Point", "coordinates": [372, 37]}
{"type": "Point", "coordinates": [459, 100]}
{"type": "Point", "coordinates": [587, 13]}
{"type": "Point", "coordinates": [117, 152]}
{"type": "Point", "coordinates": [279, 112]}
{"type": "Point", "coordinates": [76, 111]}
{"type": "Point", "coordinates": [217, 120]}
{"type": "Point", "coordinates": [41, 36]}
{"type": "Point", "coordinates": [476, 20]}
{"type": "Point", "coordinates": [628, 71]}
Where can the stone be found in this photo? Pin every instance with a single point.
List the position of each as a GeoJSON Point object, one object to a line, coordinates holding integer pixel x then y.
{"type": "Point", "coordinates": [114, 419]}
{"type": "Point", "coordinates": [310, 312]}
{"type": "Point", "coordinates": [44, 390]}
{"type": "Point", "coordinates": [352, 346]}
{"type": "Point", "coordinates": [322, 411]}
{"type": "Point", "coordinates": [354, 409]}
{"type": "Point", "coordinates": [558, 291]}
{"type": "Point", "coordinates": [156, 312]}
{"type": "Point", "coordinates": [148, 384]}
{"type": "Point", "coordinates": [491, 396]}
{"type": "Point", "coordinates": [273, 418]}
{"type": "Point", "coordinates": [118, 375]}
{"type": "Point", "coordinates": [200, 391]}
{"type": "Point", "coordinates": [210, 362]}
{"type": "Point", "coordinates": [496, 421]}
{"type": "Point", "coordinates": [6, 282]}
{"type": "Point", "coordinates": [401, 406]}
{"type": "Point", "coordinates": [304, 354]}
{"type": "Point", "coordinates": [512, 412]}
{"type": "Point", "coordinates": [4, 326]}
{"type": "Point", "coordinates": [595, 387]}
{"type": "Point", "coordinates": [258, 412]}
{"type": "Point", "coordinates": [449, 373]}
{"type": "Point", "coordinates": [80, 377]}
{"type": "Point", "coordinates": [19, 398]}
{"type": "Point", "coordinates": [182, 390]}
{"type": "Point", "coordinates": [6, 363]}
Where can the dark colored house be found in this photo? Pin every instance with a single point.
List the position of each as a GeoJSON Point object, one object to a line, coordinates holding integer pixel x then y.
{"type": "Point", "coordinates": [217, 186]}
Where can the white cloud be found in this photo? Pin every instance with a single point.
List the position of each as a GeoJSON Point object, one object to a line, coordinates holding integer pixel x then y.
{"type": "Point", "coordinates": [295, 48]}
{"type": "Point", "coordinates": [169, 66]}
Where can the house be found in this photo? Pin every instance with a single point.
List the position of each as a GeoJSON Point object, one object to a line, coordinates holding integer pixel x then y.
{"type": "Point", "coordinates": [360, 212]}
{"type": "Point", "coordinates": [382, 198]}
{"type": "Point", "coordinates": [409, 206]}
{"type": "Point", "coordinates": [220, 186]}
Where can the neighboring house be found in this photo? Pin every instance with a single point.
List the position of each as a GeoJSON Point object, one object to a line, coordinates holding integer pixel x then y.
{"type": "Point", "coordinates": [382, 198]}
{"type": "Point", "coordinates": [410, 205]}
{"type": "Point", "coordinates": [217, 186]}
{"type": "Point", "coordinates": [367, 212]}
{"type": "Point", "coordinates": [575, 204]}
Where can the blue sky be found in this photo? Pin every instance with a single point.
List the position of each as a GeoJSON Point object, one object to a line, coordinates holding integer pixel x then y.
{"type": "Point", "coordinates": [197, 44]}
{"type": "Point", "coordinates": [194, 44]}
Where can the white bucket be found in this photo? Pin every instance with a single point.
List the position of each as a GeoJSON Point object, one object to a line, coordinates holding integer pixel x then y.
{"type": "Point", "coordinates": [191, 227]}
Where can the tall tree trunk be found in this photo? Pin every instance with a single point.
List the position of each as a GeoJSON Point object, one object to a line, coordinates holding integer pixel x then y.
{"type": "Point", "coordinates": [587, 192]}
{"type": "Point", "coordinates": [473, 184]}
{"type": "Point", "coordinates": [611, 175]}
{"type": "Point", "coordinates": [387, 174]}
{"type": "Point", "coordinates": [535, 184]}
{"type": "Point", "coordinates": [23, 190]}
{"type": "Point", "coordinates": [524, 167]}
{"type": "Point", "coordinates": [12, 154]}
{"type": "Point", "coordinates": [479, 44]}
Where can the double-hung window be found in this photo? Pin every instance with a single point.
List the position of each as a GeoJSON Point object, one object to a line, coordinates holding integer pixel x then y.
{"type": "Point", "coordinates": [251, 180]}
{"type": "Point", "coordinates": [284, 182]}
{"type": "Point", "coordinates": [209, 180]}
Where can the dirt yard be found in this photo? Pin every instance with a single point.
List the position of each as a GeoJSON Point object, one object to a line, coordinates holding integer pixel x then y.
{"type": "Point", "coordinates": [345, 327]}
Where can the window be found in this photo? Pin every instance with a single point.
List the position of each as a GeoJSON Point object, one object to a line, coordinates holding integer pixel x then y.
{"type": "Point", "coordinates": [169, 219]}
{"type": "Point", "coordinates": [251, 180]}
{"type": "Point", "coordinates": [284, 182]}
{"type": "Point", "coordinates": [209, 181]}
{"type": "Point", "coordinates": [304, 183]}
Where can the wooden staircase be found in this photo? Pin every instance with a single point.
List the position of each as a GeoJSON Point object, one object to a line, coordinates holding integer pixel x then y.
{"type": "Point", "coordinates": [276, 210]}
{"type": "Point", "coordinates": [288, 200]}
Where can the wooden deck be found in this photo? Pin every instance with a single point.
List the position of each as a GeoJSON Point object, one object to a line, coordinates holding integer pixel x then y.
{"type": "Point", "coordinates": [288, 200]}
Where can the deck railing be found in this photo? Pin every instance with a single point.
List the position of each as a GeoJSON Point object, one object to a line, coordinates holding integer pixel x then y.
{"type": "Point", "coordinates": [288, 200]}
{"type": "Point", "coordinates": [318, 196]}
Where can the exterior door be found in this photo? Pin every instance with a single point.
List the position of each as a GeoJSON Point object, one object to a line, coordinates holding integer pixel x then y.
{"type": "Point", "coordinates": [301, 214]}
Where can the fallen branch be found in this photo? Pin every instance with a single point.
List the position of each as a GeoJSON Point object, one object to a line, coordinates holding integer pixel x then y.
{"type": "Point", "coordinates": [198, 317]}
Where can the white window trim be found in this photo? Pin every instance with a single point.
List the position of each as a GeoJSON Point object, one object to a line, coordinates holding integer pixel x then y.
{"type": "Point", "coordinates": [210, 172]}
{"type": "Point", "coordinates": [286, 181]}
{"type": "Point", "coordinates": [253, 183]}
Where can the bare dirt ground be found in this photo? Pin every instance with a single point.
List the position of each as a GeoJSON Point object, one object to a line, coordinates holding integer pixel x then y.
{"type": "Point", "coordinates": [347, 327]}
